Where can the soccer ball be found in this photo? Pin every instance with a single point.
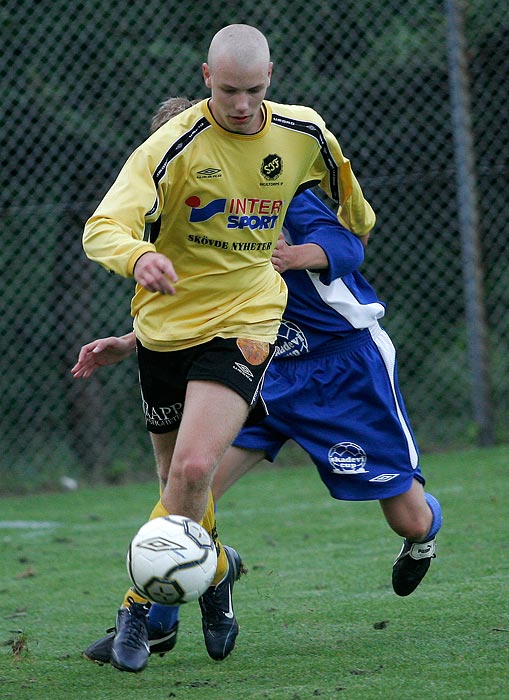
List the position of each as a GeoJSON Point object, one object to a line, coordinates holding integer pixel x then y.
{"type": "Point", "coordinates": [171, 560]}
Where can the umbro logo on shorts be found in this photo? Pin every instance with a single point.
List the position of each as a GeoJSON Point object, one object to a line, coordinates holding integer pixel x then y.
{"type": "Point", "coordinates": [243, 369]}
{"type": "Point", "coordinates": [384, 477]}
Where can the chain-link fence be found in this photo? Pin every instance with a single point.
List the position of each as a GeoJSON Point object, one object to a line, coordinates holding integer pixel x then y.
{"type": "Point", "coordinates": [419, 101]}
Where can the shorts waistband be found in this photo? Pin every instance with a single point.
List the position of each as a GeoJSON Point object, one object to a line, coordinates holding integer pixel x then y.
{"type": "Point", "coordinates": [349, 341]}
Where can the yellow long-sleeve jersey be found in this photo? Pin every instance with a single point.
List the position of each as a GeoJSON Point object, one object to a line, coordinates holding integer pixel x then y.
{"type": "Point", "coordinates": [215, 202]}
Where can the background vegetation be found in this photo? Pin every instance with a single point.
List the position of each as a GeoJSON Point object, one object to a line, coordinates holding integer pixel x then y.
{"type": "Point", "coordinates": [80, 82]}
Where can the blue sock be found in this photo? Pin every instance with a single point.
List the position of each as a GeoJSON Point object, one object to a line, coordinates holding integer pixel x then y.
{"type": "Point", "coordinates": [163, 617]}
{"type": "Point", "coordinates": [436, 510]}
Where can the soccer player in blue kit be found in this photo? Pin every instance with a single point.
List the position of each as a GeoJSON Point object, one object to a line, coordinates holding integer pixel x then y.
{"type": "Point", "coordinates": [332, 387]}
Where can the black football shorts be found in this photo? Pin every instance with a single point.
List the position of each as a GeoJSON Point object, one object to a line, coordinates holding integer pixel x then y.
{"type": "Point", "coordinates": [237, 363]}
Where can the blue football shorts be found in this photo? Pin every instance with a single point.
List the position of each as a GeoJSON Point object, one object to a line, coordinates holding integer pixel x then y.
{"type": "Point", "coordinates": [343, 406]}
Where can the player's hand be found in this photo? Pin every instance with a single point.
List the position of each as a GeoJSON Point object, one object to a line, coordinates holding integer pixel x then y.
{"type": "Point", "coordinates": [282, 255]}
{"type": "Point", "coordinates": [303, 256]}
{"type": "Point", "coordinates": [102, 352]}
{"type": "Point", "coordinates": [155, 272]}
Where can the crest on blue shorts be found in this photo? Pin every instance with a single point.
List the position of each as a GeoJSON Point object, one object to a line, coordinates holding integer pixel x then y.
{"type": "Point", "coordinates": [347, 458]}
{"type": "Point", "coordinates": [290, 340]}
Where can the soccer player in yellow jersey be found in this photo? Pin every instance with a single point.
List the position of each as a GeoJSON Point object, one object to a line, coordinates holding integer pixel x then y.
{"type": "Point", "coordinates": [213, 186]}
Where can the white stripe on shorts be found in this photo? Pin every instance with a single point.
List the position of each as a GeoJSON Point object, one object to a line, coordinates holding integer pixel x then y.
{"type": "Point", "coordinates": [388, 354]}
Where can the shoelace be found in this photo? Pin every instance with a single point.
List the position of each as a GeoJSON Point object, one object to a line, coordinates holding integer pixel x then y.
{"type": "Point", "coordinates": [137, 627]}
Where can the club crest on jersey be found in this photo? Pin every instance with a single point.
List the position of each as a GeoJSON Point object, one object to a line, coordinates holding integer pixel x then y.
{"type": "Point", "coordinates": [272, 167]}
{"type": "Point", "coordinates": [347, 458]}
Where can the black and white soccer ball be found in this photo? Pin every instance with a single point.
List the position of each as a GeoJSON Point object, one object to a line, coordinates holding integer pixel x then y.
{"type": "Point", "coordinates": [171, 560]}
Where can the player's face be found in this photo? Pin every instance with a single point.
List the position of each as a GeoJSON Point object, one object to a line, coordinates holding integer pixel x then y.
{"type": "Point", "coordinates": [237, 95]}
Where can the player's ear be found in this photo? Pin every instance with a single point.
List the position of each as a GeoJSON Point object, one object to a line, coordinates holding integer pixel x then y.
{"type": "Point", "coordinates": [269, 74]}
{"type": "Point", "coordinates": [206, 74]}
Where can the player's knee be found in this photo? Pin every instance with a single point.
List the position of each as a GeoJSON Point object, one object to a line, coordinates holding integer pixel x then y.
{"type": "Point", "coordinates": [424, 524]}
{"type": "Point", "coordinates": [194, 474]}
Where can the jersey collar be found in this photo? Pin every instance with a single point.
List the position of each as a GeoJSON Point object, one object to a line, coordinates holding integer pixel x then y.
{"type": "Point", "coordinates": [267, 112]}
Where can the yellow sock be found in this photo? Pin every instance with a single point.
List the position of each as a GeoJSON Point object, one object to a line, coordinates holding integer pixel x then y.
{"type": "Point", "coordinates": [209, 523]}
{"type": "Point", "coordinates": [131, 595]}
{"type": "Point", "coordinates": [158, 511]}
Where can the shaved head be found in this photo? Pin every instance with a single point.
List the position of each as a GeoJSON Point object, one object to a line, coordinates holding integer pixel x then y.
{"type": "Point", "coordinates": [238, 74]}
{"type": "Point", "coordinates": [238, 43]}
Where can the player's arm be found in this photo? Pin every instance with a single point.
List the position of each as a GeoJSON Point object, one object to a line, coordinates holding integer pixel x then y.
{"type": "Point", "coordinates": [102, 352]}
{"type": "Point", "coordinates": [354, 211]}
{"type": "Point", "coordinates": [114, 234]}
{"type": "Point", "coordinates": [306, 256]}
{"type": "Point", "coordinates": [310, 222]}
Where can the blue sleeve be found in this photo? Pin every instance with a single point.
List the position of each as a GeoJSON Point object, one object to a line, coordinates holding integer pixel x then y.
{"type": "Point", "coordinates": [309, 220]}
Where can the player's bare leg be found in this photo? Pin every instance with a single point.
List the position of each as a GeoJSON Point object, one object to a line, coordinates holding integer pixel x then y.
{"type": "Point", "coordinates": [416, 516]}
{"type": "Point", "coordinates": [163, 445]}
{"type": "Point", "coordinates": [235, 463]}
{"type": "Point", "coordinates": [408, 514]}
{"type": "Point", "coordinates": [213, 415]}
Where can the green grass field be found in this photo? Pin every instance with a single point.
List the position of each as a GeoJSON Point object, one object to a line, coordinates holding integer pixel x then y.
{"type": "Point", "coordinates": [317, 613]}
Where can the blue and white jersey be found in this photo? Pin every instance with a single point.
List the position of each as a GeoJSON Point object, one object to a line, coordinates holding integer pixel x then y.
{"type": "Point", "coordinates": [324, 306]}
{"type": "Point", "coordinates": [333, 389]}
